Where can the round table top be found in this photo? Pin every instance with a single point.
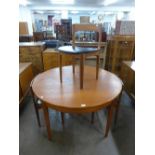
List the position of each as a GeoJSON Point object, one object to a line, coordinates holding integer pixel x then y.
{"type": "Point", "coordinates": [68, 97]}
{"type": "Point", "coordinates": [77, 50]}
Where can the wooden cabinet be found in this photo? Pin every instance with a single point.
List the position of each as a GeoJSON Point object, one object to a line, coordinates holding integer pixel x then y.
{"type": "Point", "coordinates": [51, 59]}
{"type": "Point", "coordinates": [119, 48]}
{"type": "Point", "coordinates": [32, 52]}
{"type": "Point", "coordinates": [25, 77]}
{"type": "Point", "coordinates": [128, 76]}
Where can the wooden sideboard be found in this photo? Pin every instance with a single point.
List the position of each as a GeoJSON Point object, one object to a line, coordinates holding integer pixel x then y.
{"type": "Point", "coordinates": [25, 77]}
{"type": "Point", "coordinates": [120, 48]}
{"type": "Point", "coordinates": [32, 52]}
{"type": "Point", "coordinates": [128, 77]}
{"type": "Point", "coordinates": [51, 59]}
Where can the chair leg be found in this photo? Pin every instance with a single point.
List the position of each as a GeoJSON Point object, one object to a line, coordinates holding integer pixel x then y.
{"type": "Point", "coordinates": [97, 65]}
{"type": "Point", "coordinates": [109, 120]}
{"type": "Point", "coordinates": [92, 118]}
{"type": "Point", "coordinates": [60, 66]}
{"type": "Point", "coordinates": [37, 114]}
{"type": "Point", "coordinates": [81, 70]}
{"type": "Point", "coordinates": [73, 65]}
{"type": "Point", "coordinates": [36, 108]}
{"type": "Point", "coordinates": [62, 119]}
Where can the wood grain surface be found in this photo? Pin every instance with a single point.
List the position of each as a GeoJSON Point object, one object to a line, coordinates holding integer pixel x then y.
{"type": "Point", "coordinates": [68, 97]}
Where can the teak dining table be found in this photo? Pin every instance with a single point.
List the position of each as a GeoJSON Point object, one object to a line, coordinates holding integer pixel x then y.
{"type": "Point", "coordinates": [67, 96]}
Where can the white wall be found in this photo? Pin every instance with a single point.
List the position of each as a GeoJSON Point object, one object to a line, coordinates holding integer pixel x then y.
{"type": "Point", "coordinates": [39, 17]}
{"type": "Point", "coordinates": [132, 15]}
{"type": "Point", "coordinates": [109, 18]}
{"type": "Point", "coordinates": [75, 18]}
{"type": "Point", "coordinates": [25, 15]}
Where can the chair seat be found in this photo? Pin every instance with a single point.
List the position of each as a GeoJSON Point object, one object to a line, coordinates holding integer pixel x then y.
{"type": "Point", "coordinates": [77, 50]}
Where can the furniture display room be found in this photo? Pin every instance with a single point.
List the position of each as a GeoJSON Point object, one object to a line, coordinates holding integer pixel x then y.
{"type": "Point", "coordinates": [76, 77]}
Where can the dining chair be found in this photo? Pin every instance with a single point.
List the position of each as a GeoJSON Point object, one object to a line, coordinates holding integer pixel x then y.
{"type": "Point", "coordinates": [82, 52]}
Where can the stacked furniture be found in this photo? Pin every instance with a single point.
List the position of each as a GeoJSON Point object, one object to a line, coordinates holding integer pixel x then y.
{"type": "Point", "coordinates": [64, 31]}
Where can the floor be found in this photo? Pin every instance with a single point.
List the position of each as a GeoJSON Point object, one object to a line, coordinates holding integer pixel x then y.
{"type": "Point", "coordinates": [79, 136]}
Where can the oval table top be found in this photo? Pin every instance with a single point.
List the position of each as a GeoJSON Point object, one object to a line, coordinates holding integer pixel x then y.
{"type": "Point", "coordinates": [77, 50]}
{"type": "Point", "coordinates": [68, 97]}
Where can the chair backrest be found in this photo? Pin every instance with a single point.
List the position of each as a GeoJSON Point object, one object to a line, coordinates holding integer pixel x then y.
{"type": "Point", "coordinates": [87, 27]}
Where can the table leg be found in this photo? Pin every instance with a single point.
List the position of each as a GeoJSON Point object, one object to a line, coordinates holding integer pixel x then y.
{"type": "Point", "coordinates": [97, 65]}
{"type": "Point", "coordinates": [109, 120]}
{"type": "Point", "coordinates": [81, 70]}
{"type": "Point", "coordinates": [117, 108]}
{"type": "Point", "coordinates": [92, 118]}
{"type": "Point", "coordinates": [62, 118]}
{"type": "Point", "coordinates": [35, 107]}
{"type": "Point", "coordinates": [47, 120]}
{"type": "Point", "coordinates": [60, 66]}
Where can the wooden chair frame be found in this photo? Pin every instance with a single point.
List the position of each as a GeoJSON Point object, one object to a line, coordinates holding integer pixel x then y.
{"type": "Point", "coordinates": [82, 56]}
